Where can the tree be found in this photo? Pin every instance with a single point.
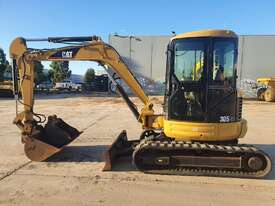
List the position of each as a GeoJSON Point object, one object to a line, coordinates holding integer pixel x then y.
{"type": "Point", "coordinates": [55, 72]}
{"type": "Point", "coordinates": [51, 75]}
{"type": "Point", "coordinates": [89, 76]}
{"type": "Point", "coordinates": [4, 64]}
{"type": "Point", "coordinates": [66, 72]}
{"type": "Point", "coordinates": [59, 71]}
{"type": "Point", "coordinates": [39, 75]}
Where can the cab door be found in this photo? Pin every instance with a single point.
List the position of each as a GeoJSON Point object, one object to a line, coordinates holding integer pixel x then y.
{"type": "Point", "coordinates": [222, 93]}
{"type": "Point", "coordinates": [187, 82]}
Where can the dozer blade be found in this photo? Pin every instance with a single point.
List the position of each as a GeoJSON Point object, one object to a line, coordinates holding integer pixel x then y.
{"type": "Point", "coordinates": [121, 147]}
{"type": "Point", "coordinates": [48, 140]}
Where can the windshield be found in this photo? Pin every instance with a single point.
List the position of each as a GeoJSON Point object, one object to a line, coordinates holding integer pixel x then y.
{"type": "Point", "coordinates": [189, 60]}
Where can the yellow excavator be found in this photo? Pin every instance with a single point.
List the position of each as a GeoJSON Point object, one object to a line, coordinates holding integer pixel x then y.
{"type": "Point", "coordinates": [6, 88]}
{"type": "Point", "coordinates": [266, 89]}
{"type": "Point", "coordinates": [196, 134]}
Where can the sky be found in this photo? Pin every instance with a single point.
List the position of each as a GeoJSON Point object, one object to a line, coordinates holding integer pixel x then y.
{"type": "Point", "coordinates": [38, 19]}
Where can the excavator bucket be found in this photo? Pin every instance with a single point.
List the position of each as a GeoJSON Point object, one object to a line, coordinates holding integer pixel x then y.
{"type": "Point", "coordinates": [121, 147]}
{"type": "Point", "coordinates": [48, 140]}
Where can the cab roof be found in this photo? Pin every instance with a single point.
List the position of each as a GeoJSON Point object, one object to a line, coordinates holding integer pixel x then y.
{"type": "Point", "coordinates": [206, 33]}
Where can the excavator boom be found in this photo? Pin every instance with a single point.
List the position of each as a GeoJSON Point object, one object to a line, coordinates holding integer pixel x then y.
{"type": "Point", "coordinates": [40, 141]}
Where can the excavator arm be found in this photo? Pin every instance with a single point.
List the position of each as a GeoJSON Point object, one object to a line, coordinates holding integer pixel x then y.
{"type": "Point", "coordinates": [41, 141]}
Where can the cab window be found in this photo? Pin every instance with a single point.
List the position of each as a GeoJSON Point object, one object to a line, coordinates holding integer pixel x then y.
{"type": "Point", "coordinates": [223, 61]}
{"type": "Point", "coordinates": [189, 60]}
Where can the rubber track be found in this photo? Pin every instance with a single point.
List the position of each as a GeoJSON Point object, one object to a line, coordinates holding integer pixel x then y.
{"type": "Point", "coordinates": [165, 145]}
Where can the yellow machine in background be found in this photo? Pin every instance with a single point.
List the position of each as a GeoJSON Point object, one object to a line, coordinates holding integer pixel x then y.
{"type": "Point", "coordinates": [6, 88]}
{"type": "Point", "coordinates": [266, 89]}
{"type": "Point", "coordinates": [198, 131]}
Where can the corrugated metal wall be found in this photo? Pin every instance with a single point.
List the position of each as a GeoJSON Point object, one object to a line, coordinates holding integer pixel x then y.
{"type": "Point", "coordinates": [147, 55]}
{"type": "Point", "coordinates": [256, 56]}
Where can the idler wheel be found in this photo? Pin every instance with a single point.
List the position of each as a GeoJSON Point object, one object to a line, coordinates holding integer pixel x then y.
{"type": "Point", "coordinates": [255, 163]}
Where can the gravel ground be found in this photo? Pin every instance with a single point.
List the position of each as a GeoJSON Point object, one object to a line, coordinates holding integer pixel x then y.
{"type": "Point", "coordinates": [74, 176]}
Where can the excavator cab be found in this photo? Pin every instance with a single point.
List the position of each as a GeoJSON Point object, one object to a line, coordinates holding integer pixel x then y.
{"type": "Point", "coordinates": [201, 80]}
